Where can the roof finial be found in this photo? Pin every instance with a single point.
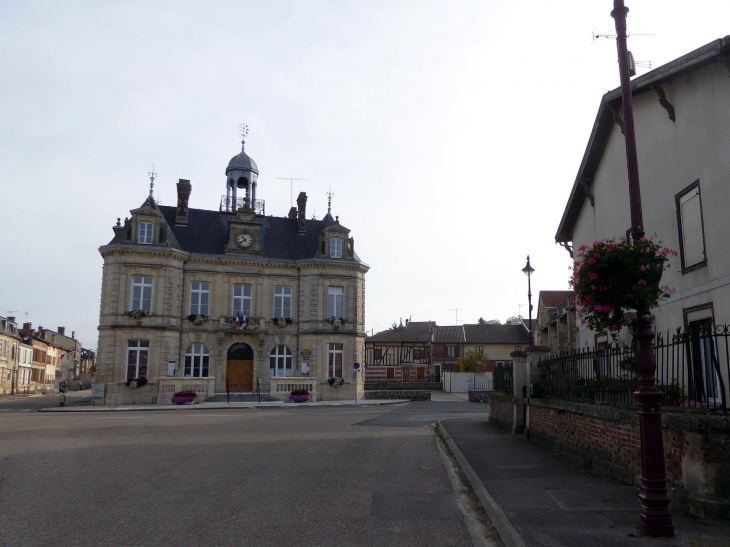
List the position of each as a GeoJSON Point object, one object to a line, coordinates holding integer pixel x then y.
{"type": "Point", "coordinates": [329, 195]}
{"type": "Point", "coordinates": [152, 175]}
{"type": "Point", "coordinates": [243, 131]}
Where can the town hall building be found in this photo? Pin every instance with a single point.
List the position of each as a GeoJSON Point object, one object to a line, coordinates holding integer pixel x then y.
{"type": "Point", "coordinates": [230, 301]}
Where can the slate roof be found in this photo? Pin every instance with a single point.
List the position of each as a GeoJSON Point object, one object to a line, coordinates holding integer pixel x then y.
{"type": "Point", "coordinates": [242, 161]}
{"type": "Point", "coordinates": [415, 331]}
{"type": "Point", "coordinates": [448, 335]}
{"type": "Point", "coordinates": [207, 233]}
{"type": "Point", "coordinates": [530, 326]}
{"type": "Point", "coordinates": [553, 299]}
{"type": "Point", "coordinates": [496, 334]}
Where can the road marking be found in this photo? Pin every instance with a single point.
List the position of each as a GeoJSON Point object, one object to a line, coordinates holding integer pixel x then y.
{"type": "Point", "coordinates": [6, 410]}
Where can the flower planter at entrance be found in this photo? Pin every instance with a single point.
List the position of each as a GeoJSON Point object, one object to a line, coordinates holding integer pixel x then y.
{"type": "Point", "coordinates": [299, 398]}
{"type": "Point", "coordinates": [182, 400]}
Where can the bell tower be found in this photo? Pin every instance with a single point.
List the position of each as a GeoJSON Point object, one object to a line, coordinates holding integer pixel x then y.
{"type": "Point", "coordinates": [241, 179]}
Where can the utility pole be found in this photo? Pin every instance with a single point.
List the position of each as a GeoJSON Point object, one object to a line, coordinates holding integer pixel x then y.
{"type": "Point", "coordinates": [291, 188]}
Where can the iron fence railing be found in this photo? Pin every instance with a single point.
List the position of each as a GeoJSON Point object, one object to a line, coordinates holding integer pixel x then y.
{"type": "Point", "coordinates": [228, 204]}
{"type": "Point", "coordinates": [503, 379]}
{"type": "Point", "coordinates": [693, 366]}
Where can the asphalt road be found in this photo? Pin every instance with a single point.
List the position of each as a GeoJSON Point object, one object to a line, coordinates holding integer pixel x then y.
{"type": "Point", "coordinates": [342, 476]}
{"type": "Point", "coordinates": [36, 401]}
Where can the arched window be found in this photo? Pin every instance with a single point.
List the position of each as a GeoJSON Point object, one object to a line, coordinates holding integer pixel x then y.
{"type": "Point", "coordinates": [280, 362]}
{"type": "Point", "coordinates": [197, 359]}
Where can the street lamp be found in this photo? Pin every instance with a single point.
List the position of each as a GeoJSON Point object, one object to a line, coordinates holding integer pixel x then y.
{"type": "Point", "coordinates": [655, 518]}
{"type": "Point", "coordinates": [527, 270]}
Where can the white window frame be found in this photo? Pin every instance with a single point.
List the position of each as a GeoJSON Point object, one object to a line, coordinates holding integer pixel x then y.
{"type": "Point", "coordinates": [479, 350]}
{"type": "Point", "coordinates": [197, 361]}
{"type": "Point", "coordinates": [333, 350]}
{"type": "Point", "coordinates": [282, 301]}
{"type": "Point", "coordinates": [281, 362]}
{"type": "Point", "coordinates": [144, 233]}
{"type": "Point", "coordinates": [138, 348]}
{"type": "Point", "coordinates": [199, 298]}
{"type": "Point", "coordinates": [692, 243]}
{"type": "Point", "coordinates": [242, 302]}
{"type": "Point", "coordinates": [336, 247]}
{"type": "Point", "coordinates": [141, 282]}
{"type": "Point", "coordinates": [335, 302]}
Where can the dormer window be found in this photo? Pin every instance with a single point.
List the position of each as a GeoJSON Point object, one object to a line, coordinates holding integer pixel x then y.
{"type": "Point", "coordinates": [336, 247]}
{"type": "Point", "coordinates": [145, 233]}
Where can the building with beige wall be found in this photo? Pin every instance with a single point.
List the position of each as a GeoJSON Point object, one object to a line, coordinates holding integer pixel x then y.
{"type": "Point", "coordinates": [230, 300]}
{"type": "Point", "coordinates": [496, 342]}
{"type": "Point", "coordinates": [556, 321]}
{"type": "Point", "coordinates": [9, 345]}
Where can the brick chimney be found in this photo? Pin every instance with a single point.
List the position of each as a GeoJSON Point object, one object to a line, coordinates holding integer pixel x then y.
{"type": "Point", "coordinates": [184, 188]}
{"type": "Point", "coordinates": [62, 330]}
{"type": "Point", "coordinates": [11, 319]}
{"type": "Point", "coordinates": [302, 212]}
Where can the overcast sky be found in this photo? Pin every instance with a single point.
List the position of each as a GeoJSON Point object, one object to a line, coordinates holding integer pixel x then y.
{"type": "Point", "coordinates": [450, 132]}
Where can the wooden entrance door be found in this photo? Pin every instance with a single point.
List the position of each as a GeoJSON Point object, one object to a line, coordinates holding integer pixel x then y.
{"type": "Point", "coordinates": [240, 375]}
{"type": "Point", "coordinates": [406, 374]}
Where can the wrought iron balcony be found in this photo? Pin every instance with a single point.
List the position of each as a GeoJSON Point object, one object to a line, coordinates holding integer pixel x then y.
{"type": "Point", "coordinates": [227, 205]}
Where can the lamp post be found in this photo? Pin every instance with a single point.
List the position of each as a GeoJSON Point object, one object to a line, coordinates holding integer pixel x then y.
{"type": "Point", "coordinates": [655, 518]}
{"type": "Point", "coordinates": [527, 270]}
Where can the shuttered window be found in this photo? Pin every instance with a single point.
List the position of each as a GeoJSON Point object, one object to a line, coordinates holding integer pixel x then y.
{"type": "Point", "coordinates": [689, 213]}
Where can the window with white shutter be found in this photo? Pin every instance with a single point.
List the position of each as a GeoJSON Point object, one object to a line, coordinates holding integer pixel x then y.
{"type": "Point", "coordinates": [691, 231]}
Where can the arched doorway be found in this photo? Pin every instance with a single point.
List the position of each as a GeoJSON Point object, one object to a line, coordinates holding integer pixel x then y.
{"type": "Point", "coordinates": [239, 368]}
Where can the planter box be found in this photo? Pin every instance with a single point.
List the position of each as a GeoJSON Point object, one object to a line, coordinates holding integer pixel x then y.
{"type": "Point", "coordinates": [182, 400]}
{"type": "Point", "coordinates": [299, 398]}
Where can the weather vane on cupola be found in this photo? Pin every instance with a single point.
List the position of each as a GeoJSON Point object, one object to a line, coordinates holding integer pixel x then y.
{"type": "Point", "coordinates": [243, 131]}
{"type": "Point", "coordinates": [329, 195]}
{"type": "Point", "coordinates": [152, 175]}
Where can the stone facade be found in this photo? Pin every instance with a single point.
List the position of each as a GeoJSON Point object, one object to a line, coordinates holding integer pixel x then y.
{"type": "Point", "coordinates": [189, 249]}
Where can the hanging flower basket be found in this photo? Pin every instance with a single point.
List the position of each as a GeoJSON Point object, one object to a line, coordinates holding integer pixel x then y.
{"type": "Point", "coordinates": [198, 319]}
{"type": "Point", "coordinates": [282, 321]}
{"type": "Point", "coordinates": [336, 381]}
{"type": "Point", "coordinates": [336, 322]}
{"type": "Point", "coordinates": [613, 278]}
{"type": "Point", "coordinates": [138, 314]}
{"type": "Point", "coordinates": [134, 383]}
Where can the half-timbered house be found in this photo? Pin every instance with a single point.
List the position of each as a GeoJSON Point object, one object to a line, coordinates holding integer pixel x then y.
{"type": "Point", "coordinates": [400, 354]}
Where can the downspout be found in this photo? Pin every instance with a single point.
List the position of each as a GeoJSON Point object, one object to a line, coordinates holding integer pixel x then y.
{"type": "Point", "coordinates": [182, 317]}
{"type": "Point", "coordinates": [299, 314]}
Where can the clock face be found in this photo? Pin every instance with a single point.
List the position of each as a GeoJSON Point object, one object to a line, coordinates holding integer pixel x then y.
{"type": "Point", "coordinates": [244, 240]}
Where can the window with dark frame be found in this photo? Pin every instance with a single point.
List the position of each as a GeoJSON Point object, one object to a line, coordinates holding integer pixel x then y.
{"type": "Point", "coordinates": [480, 350]}
{"type": "Point", "coordinates": [451, 351]}
{"type": "Point", "coordinates": [377, 353]}
{"type": "Point", "coordinates": [137, 358]}
{"type": "Point", "coordinates": [690, 224]}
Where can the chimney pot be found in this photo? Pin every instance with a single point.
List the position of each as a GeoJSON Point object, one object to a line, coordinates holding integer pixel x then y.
{"type": "Point", "coordinates": [62, 330]}
{"type": "Point", "coordinates": [302, 212]}
{"type": "Point", "coordinates": [11, 319]}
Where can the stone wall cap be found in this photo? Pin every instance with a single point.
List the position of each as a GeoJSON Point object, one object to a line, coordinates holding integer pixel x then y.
{"type": "Point", "coordinates": [537, 349]}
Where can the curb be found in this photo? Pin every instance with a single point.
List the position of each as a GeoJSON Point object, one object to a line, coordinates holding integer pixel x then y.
{"type": "Point", "coordinates": [221, 406]}
{"type": "Point", "coordinates": [506, 530]}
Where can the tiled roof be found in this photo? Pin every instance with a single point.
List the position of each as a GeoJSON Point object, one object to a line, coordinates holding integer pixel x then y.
{"type": "Point", "coordinates": [496, 334]}
{"type": "Point", "coordinates": [448, 335]}
{"type": "Point", "coordinates": [415, 331]}
{"type": "Point", "coordinates": [553, 299]}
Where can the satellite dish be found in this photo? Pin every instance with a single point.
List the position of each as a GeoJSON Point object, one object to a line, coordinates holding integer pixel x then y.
{"type": "Point", "coordinates": [632, 65]}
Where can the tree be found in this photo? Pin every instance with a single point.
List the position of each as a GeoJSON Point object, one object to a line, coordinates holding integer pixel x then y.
{"type": "Point", "coordinates": [471, 361]}
{"type": "Point", "coordinates": [514, 320]}
{"type": "Point", "coordinates": [492, 322]}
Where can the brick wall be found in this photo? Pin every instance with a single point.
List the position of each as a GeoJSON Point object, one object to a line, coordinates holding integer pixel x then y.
{"type": "Point", "coordinates": [500, 410]}
{"type": "Point", "coordinates": [607, 439]}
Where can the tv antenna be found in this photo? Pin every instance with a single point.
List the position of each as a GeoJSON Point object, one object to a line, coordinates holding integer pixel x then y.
{"type": "Point", "coordinates": [596, 35]}
{"type": "Point", "coordinates": [291, 188]}
{"type": "Point", "coordinates": [456, 310]}
{"type": "Point", "coordinates": [11, 312]}
{"type": "Point", "coordinates": [632, 63]}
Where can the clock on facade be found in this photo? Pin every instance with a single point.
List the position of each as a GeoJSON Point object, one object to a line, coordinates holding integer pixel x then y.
{"type": "Point", "coordinates": [244, 240]}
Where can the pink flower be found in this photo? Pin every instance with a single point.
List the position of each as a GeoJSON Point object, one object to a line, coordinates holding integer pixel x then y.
{"type": "Point", "coordinates": [622, 239]}
{"type": "Point", "coordinates": [641, 282]}
{"type": "Point", "coordinates": [643, 239]}
{"type": "Point", "coordinates": [592, 276]}
{"type": "Point", "coordinates": [582, 247]}
{"type": "Point", "coordinates": [591, 261]}
{"type": "Point", "coordinates": [598, 308]}
{"type": "Point", "coordinates": [607, 308]}
{"type": "Point", "coordinates": [596, 243]}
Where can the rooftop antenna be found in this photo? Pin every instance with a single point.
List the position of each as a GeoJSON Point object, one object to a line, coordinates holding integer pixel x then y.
{"type": "Point", "coordinates": [519, 310]}
{"type": "Point", "coordinates": [329, 195]}
{"type": "Point", "coordinates": [243, 132]}
{"type": "Point", "coordinates": [152, 175]}
{"type": "Point", "coordinates": [457, 314]}
{"type": "Point", "coordinates": [314, 213]}
{"type": "Point", "coordinates": [632, 64]}
{"type": "Point", "coordinates": [291, 188]}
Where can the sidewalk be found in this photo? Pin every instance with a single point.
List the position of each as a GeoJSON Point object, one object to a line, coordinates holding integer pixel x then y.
{"type": "Point", "coordinates": [207, 406]}
{"type": "Point", "coordinates": [537, 498]}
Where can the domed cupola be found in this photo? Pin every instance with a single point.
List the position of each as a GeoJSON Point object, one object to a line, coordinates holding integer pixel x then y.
{"type": "Point", "coordinates": [241, 173]}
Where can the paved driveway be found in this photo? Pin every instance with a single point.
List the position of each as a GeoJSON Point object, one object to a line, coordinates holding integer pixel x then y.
{"type": "Point", "coordinates": [319, 476]}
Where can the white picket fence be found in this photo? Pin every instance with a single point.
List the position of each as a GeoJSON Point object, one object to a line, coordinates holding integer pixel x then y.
{"type": "Point", "coordinates": [461, 382]}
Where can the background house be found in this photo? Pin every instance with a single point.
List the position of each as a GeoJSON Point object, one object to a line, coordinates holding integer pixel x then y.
{"type": "Point", "coordinates": [448, 346]}
{"type": "Point", "coordinates": [496, 342]}
{"type": "Point", "coordinates": [9, 344]}
{"type": "Point", "coordinates": [401, 353]}
{"type": "Point", "coordinates": [556, 321]}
